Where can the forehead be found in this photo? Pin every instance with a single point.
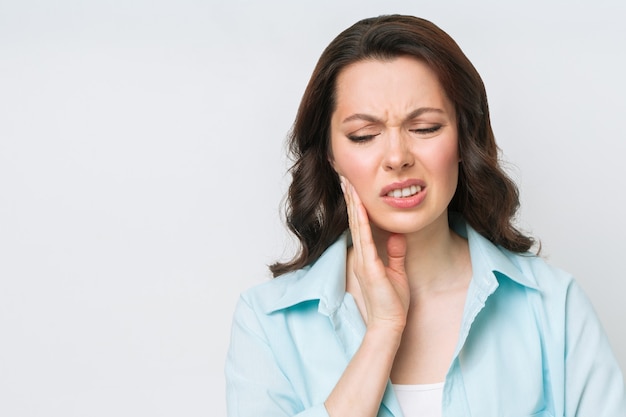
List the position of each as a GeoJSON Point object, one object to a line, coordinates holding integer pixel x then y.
{"type": "Point", "coordinates": [397, 84]}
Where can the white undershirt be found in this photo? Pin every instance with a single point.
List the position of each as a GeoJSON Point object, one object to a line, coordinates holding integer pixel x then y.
{"type": "Point", "coordinates": [422, 400]}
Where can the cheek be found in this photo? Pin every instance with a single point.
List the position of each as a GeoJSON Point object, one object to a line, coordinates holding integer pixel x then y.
{"type": "Point", "coordinates": [349, 162]}
{"type": "Point", "coordinates": [450, 164]}
{"type": "Point", "coordinates": [359, 171]}
{"type": "Point", "coordinates": [350, 168]}
{"type": "Point", "coordinates": [357, 168]}
{"type": "Point", "coordinates": [446, 153]}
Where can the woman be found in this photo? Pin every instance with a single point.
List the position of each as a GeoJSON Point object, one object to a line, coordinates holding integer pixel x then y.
{"type": "Point", "coordinates": [430, 304]}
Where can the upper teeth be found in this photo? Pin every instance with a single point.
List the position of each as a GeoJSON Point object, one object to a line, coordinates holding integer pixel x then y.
{"type": "Point", "coordinates": [404, 192]}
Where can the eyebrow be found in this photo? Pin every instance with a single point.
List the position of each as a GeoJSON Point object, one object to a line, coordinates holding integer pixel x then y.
{"type": "Point", "coordinates": [415, 113]}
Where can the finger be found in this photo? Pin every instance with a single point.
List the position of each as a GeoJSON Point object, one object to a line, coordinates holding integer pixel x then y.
{"type": "Point", "coordinates": [366, 245]}
{"type": "Point", "coordinates": [396, 252]}
{"type": "Point", "coordinates": [355, 222]}
{"type": "Point", "coordinates": [363, 242]}
{"type": "Point", "coordinates": [345, 187]}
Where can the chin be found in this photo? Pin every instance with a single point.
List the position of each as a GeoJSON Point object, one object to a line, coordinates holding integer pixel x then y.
{"type": "Point", "coordinates": [400, 228]}
{"type": "Point", "coordinates": [410, 225]}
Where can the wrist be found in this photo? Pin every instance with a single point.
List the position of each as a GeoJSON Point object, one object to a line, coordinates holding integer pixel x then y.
{"type": "Point", "coordinates": [390, 334]}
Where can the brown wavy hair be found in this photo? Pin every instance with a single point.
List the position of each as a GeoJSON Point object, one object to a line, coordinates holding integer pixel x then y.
{"type": "Point", "coordinates": [485, 196]}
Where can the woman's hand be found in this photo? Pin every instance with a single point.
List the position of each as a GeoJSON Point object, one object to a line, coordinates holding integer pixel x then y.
{"type": "Point", "coordinates": [385, 288]}
{"type": "Point", "coordinates": [385, 293]}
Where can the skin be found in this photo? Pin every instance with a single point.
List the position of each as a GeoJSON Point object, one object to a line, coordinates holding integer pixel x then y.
{"type": "Point", "coordinates": [407, 271]}
{"type": "Point", "coordinates": [397, 123]}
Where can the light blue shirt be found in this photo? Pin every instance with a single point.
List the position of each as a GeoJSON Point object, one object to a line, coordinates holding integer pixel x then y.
{"type": "Point", "coordinates": [530, 343]}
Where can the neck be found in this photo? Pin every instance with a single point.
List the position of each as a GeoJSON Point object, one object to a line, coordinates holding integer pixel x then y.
{"type": "Point", "coordinates": [437, 258]}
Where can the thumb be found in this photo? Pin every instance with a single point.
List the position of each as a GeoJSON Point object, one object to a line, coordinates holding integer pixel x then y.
{"type": "Point", "coordinates": [396, 252]}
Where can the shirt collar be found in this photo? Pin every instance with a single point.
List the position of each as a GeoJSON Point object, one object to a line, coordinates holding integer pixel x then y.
{"type": "Point", "coordinates": [325, 279]}
{"type": "Point", "coordinates": [490, 262]}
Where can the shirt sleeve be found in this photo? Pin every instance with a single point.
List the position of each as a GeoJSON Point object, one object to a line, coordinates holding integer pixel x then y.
{"type": "Point", "coordinates": [255, 384]}
{"type": "Point", "coordinates": [594, 385]}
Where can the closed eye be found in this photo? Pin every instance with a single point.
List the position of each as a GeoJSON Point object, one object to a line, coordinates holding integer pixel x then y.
{"type": "Point", "coordinates": [362, 138]}
{"type": "Point", "coordinates": [426, 130]}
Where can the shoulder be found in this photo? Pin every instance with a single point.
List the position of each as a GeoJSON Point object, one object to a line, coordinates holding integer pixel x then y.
{"type": "Point", "coordinates": [265, 295]}
{"type": "Point", "coordinates": [526, 269]}
{"type": "Point", "coordinates": [546, 276]}
{"type": "Point", "coordinates": [556, 292]}
{"type": "Point", "coordinates": [324, 280]}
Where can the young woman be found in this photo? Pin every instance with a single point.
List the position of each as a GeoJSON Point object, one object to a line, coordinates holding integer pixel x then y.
{"type": "Point", "coordinates": [413, 293]}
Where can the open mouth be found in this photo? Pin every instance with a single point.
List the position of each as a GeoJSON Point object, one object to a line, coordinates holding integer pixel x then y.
{"type": "Point", "coordinates": [404, 192]}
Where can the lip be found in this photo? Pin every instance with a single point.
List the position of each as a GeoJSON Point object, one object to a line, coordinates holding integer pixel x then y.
{"type": "Point", "coordinates": [404, 202]}
{"type": "Point", "coordinates": [402, 184]}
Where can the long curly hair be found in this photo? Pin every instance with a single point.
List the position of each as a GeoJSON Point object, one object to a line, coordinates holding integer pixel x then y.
{"type": "Point", "coordinates": [485, 196]}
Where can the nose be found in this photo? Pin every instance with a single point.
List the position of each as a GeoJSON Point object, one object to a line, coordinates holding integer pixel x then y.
{"type": "Point", "coordinates": [398, 155]}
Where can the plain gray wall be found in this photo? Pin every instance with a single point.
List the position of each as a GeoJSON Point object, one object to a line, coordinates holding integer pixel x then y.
{"type": "Point", "coordinates": [142, 168]}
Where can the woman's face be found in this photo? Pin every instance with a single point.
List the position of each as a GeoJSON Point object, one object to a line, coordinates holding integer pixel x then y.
{"type": "Point", "coordinates": [394, 137]}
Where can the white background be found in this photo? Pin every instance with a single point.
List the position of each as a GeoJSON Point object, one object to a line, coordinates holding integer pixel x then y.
{"type": "Point", "coordinates": [142, 169]}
